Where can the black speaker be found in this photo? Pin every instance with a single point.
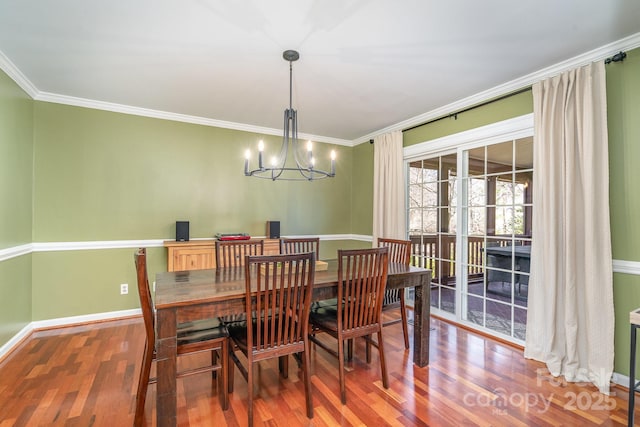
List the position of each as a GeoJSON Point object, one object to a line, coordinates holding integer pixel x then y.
{"type": "Point", "coordinates": [182, 231]}
{"type": "Point", "coordinates": [273, 229]}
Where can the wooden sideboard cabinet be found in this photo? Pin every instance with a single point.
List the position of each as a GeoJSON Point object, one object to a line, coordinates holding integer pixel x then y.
{"type": "Point", "coordinates": [201, 254]}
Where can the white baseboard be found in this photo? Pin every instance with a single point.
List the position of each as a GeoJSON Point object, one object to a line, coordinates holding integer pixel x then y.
{"type": "Point", "coordinates": [63, 321]}
{"type": "Point", "coordinates": [86, 318]}
{"type": "Point", "coordinates": [620, 379]}
{"type": "Point", "coordinates": [15, 340]}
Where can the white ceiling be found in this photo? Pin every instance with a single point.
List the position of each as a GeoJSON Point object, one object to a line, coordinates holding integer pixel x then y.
{"type": "Point", "coordinates": [365, 65]}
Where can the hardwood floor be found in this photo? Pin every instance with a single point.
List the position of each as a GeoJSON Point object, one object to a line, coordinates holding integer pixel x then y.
{"type": "Point", "coordinates": [87, 376]}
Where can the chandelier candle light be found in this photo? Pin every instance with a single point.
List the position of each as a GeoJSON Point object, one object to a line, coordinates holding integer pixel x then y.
{"type": "Point", "coordinates": [304, 169]}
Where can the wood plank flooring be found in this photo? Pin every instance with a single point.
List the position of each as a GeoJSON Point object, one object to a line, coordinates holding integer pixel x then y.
{"type": "Point", "coordinates": [87, 376]}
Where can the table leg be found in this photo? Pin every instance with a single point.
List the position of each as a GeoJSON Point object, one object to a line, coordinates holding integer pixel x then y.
{"type": "Point", "coordinates": [421, 322]}
{"type": "Point", "coordinates": [632, 375]}
{"type": "Point", "coordinates": [166, 368]}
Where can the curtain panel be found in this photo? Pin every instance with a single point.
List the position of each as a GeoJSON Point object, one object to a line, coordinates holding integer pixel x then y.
{"type": "Point", "coordinates": [570, 320]}
{"type": "Point", "coordinates": [388, 188]}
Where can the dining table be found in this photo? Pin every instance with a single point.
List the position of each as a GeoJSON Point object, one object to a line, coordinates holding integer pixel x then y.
{"type": "Point", "coordinates": [183, 296]}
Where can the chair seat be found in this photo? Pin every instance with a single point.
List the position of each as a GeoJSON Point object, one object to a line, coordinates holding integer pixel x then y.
{"type": "Point", "coordinates": [201, 330]}
{"type": "Point", "coordinates": [238, 332]}
{"type": "Point", "coordinates": [333, 302]}
{"type": "Point", "coordinates": [325, 317]}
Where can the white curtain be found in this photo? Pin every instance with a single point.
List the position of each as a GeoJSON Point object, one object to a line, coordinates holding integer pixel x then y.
{"type": "Point", "coordinates": [570, 321]}
{"type": "Point", "coordinates": [388, 187]}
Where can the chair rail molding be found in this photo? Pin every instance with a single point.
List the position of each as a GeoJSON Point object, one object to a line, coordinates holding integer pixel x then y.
{"type": "Point", "coordinates": [626, 267]}
{"type": "Point", "coordinates": [26, 249]}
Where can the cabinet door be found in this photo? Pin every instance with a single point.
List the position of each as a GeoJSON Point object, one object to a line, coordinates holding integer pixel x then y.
{"type": "Point", "coordinates": [193, 258]}
{"type": "Point", "coordinates": [271, 246]}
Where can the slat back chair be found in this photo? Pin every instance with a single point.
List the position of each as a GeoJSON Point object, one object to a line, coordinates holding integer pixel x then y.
{"type": "Point", "coordinates": [278, 297]}
{"type": "Point", "coordinates": [232, 253]}
{"type": "Point", "coordinates": [362, 278]}
{"type": "Point", "coordinates": [399, 251]}
{"type": "Point", "coordinates": [193, 337]}
{"type": "Point", "coordinates": [300, 245]}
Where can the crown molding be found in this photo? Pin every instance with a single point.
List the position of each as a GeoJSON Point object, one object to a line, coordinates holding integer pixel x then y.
{"type": "Point", "coordinates": [16, 75]}
{"type": "Point", "coordinates": [166, 115]}
{"type": "Point", "coordinates": [598, 54]}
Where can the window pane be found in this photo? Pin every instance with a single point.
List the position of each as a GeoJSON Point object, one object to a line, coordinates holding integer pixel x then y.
{"type": "Point", "coordinates": [476, 221]}
{"type": "Point", "coordinates": [504, 190]}
{"type": "Point", "coordinates": [504, 220]}
{"type": "Point", "coordinates": [430, 194]}
{"type": "Point", "coordinates": [430, 220]}
{"type": "Point", "coordinates": [524, 153]}
{"type": "Point", "coordinates": [449, 166]}
{"type": "Point", "coordinates": [475, 310]}
{"type": "Point", "coordinates": [430, 170]}
{"type": "Point", "coordinates": [452, 220]}
{"type": "Point", "coordinates": [499, 317]}
{"type": "Point", "coordinates": [476, 162]}
{"type": "Point", "coordinates": [453, 192]}
{"type": "Point", "coordinates": [415, 196]}
{"type": "Point", "coordinates": [415, 172]}
{"type": "Point", "coordinates": [415, 221]}
{"type": "Point", "coordinates": [523, 182]}
{"type": "Point", "coordinates": [476, 191]}
{"type": "Point", "coordinates": [500, 158]}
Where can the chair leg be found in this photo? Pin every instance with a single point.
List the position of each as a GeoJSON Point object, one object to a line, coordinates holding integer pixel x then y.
{"type": "Point", "coordinates": [214, 362]}
{"type": "Point", "coordinates": [383, 363]}
{"type": "Point", "coordinates": [403, 312]}
{"type": "Point", "coordinates": [224, 373]}
{"type": "Point", "coordinates": [283, 366]}
{"type": "Point", "coordinates": [343, 392]}
{"type": "Point", "coordinates": [306, 361]}
{"type": "Point", "coordinates": [250, 390]}
{"type": "Point", "coordinates": [367, 349]}
{"type": "Point", "coordinates": [143, 385]}
{"type": "Point", "coordinates": [230, 366]}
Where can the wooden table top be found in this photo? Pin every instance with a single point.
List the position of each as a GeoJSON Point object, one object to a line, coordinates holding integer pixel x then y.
{"type": "Point", "coordinates": [180, 288]}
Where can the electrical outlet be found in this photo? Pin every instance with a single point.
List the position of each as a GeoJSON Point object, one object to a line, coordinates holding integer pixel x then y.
{"type": "Point", "coordinates": [154, 286]}
{"type": "Point", "coordinates": [124, 289]}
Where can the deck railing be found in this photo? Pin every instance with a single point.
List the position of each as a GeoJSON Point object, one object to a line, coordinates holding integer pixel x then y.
{"type": "Point", "coordinates": [424, 252]}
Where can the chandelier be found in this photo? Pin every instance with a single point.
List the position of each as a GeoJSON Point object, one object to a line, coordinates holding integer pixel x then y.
{"type": "Point", "coordinates": [305, 163]}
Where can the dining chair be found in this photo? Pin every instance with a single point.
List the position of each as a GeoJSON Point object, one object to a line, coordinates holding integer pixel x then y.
{"type": "Point", "coordinates": [231, 253]}
{"type": "Point", "coordinates": [362, 278]}
{"type": "Point", "coordinates": [300, 245]}
{"type": "Point", "coordinates": [305, 244]}
{"type": "Point", "coordinates": [192, 337]}
{"type": "Point", "coordinates": [400, 252]}
{"type": "Point", "coordinates": [278, 296]}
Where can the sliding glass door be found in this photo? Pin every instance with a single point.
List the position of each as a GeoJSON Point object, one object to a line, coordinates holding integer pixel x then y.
{"type": "Point", "coordinates": [496, 235]}
{"type": "Point", "coordinates": [469, 219]}
{"type": "Point", "coordinates": [432, 223]}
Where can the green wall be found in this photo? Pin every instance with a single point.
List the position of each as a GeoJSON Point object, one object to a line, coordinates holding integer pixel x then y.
{"type": "Point", "coordinates": [16, 172]}
{"type": "Point", "coordinates": [623, 121]}
{"type": "Point", "coordinates": [508, 108]}
{"type": "Point", "coordinates": [362, 194]}
{"type": "Point", "coordinates": [110, 176]}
